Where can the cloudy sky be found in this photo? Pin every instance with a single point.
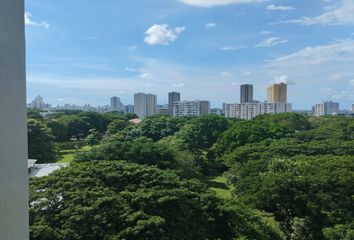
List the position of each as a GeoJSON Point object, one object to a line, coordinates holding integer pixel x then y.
{"type": "Point", "coordinates": [85, 51]}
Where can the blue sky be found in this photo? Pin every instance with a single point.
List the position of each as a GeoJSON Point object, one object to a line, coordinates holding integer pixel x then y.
{"type": "Point", "coordinates": [82, 51]}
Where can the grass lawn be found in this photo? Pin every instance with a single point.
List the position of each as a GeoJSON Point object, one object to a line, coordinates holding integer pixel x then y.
{"type": "Point", "coordinates": [219, 186]}
{"type": "Point", "coordinates": [67, 156]}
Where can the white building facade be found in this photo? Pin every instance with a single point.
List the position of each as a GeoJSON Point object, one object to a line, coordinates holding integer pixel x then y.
{"type": "Point", "coordinates": [326, 108]}
{"type": "Point", "coordinates": [145, 104]}
{"type": "Point", "coordinates": [249, 111]}
{"type": "Point", "coordinates": [191, 108]}
{"type": "Point", "coordinates": [116, 105]}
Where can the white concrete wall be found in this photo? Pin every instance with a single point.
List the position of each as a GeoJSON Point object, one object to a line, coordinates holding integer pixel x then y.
{"type": "Point", "coordinates": [13, 133]}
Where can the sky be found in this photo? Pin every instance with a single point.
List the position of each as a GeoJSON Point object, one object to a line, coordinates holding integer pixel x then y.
{"type": "Point", "coordinates": [86, 51]}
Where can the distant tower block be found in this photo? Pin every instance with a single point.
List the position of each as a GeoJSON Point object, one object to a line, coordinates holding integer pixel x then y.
{"type": "Point", "coordinates": [246, 93]}
{"type": "Point", "coordinates": [278, 93]}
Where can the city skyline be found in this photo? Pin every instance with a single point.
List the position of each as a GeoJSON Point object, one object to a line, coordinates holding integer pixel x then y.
{"type": "Point", "coordinates": [203, 50]}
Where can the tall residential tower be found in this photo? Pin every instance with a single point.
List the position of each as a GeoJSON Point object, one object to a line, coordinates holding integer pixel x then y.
{"type": "Point", "coordinates": [116, 105]}
{"type": "Point", "coordinates": [278, 93]}
{"type": "Point", "coordinates": [145, 104]}
{"type": "Point", "coordinates": [172, 98]}
{"type": "Point", "coordinates": [246, 93]}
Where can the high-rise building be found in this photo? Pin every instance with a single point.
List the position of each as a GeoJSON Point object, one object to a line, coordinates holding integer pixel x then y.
{"type": "Point", "coordinates": [129, 109]}
{"type": "Point", "coordinates": [172, 98]}
{"type": "Point", "coordinates": [246, 93]}
{"type": "Point", "coordinates": [191, 108]}
{"type": "Point", "coordinates": [116, 104]}
{"type": "Point", "coordinates": [352, 108]}
{"type": "Point", "coordinates": [145, 104]}
{"type": "Point", "coordinates": [216, 111]}
{"type": "Point", "coordinates": [278, 93]}
{"type": "Point", "coordinates": [326, 108]}
{"type": "Point", "coordinates": [204, 108]}
{"type": "Point", "coordinates": [38, 103]}
{"type": "Point", "coordinates": [163, 109]}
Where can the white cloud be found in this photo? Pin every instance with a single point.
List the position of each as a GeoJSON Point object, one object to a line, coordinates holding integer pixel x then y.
{"type": "Point", "coordinates": [342, 14]}
{"type": "Point", "coordinates": [319, 71]}
{"type": "Point", "coordinates": [270, 42]}
{"type": "Point", "coordinates": [351, 83]}
{"type": "Point", "coordinates": [230, 48]}
{"type": "Point", "coordinates": [210, 25]}
{"type": "Point", "coordinates": [265, 32]}
{"type": "Point", "coordinates": [178, 85]}
{"type": "Point", "coordinates": [279, 8]}
{"type": "Point", "coordinates": [146, 76]}
{"type": "Point", "coordinates": [129, 69]}
{"type": "Point", "coordinates": [162, 34]}
{"type": "Point", "coordinates": [30, 22]}
{"type": "Point", "coordinates": [337, 52]}
{"type": "Point", "coordinates": [328, 91]}
{"type": "Point", "coordinates": [213, 3]}
{"type": "Point", "coordinates": [226, 74]}
{"type": "Point", "coordinates": [246, 73]}
{"type": "Point", "coordinates": [132, 48]}
{"type": "Point", "coordinates": [281, 78]}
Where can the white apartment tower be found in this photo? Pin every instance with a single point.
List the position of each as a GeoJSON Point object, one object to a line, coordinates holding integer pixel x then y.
{"type": "Point", "coordinates": [249, 111]}
{"type": "Point", "coordinates": [116, 105]}
{"type": "Point", "coordinates": [38, 103]}
{"type": "Point", "coordinates": [191, 108]}
{"type": "Point", "coordinates": [326, 108]}
{"type": "Point", "coordinates": [145, 104]}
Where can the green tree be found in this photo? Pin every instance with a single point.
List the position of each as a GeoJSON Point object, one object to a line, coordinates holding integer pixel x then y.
{"type": "Point", "coordinates": [116, 126]}
{"type": "Point", "coordinates": [58, 130]}
{"type": "Point", "coordinates": [40, 142]}
{"type": "Point", "coordinates": [318, 190]}
{"type": "Point", "coordinates": [117, 200]}
{"type": "Point", "coordinates": [78, 127]}
{"type": "Point", "coordinates": [93, 138]}
{"type": "Point", "coordinates": [34, 114]}
{"type": "Point", "coordinates": [160, 126]}
{"type": "Point", "coordinates": [202, 132]}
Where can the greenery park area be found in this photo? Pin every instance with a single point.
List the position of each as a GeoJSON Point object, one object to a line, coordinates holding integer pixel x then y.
{"type": "Point", "coordinates": [284, 176]}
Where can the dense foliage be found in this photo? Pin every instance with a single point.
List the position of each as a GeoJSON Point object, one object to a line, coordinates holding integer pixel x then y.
{"type": "Point", "coordinates": [294, 172]}
{"type": "Point", "coordinates": [117, 200]}
{"type": "Point", "coordinates": [40, 142]}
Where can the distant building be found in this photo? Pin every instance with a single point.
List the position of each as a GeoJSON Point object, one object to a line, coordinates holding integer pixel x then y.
{"type": "Point", "coordinates": [145, 104]}
{"type": "Point", "coordinates": [249, 111]}
{"type": "Point", "coordinates": [326, 108]}
{"type": "Point", "coordinates": [129, 109]}
{"type": "Point", "coordinates": [191, 108]}
{"type": "Point", "coordinates": [352, 108]}
{"type": "Point", "coordinates": [116, 105]}
{"type": "Point", "coordinates": [163, 109]}
{"type": "Point", "coordinates": [246, 93]}
{"type": "Point", "coordinates": [216, 111]}
{"type": "Point", "coordinates": [278, 93]}
{"type": "Point", "coordinates": [204, 108]}
{"type": "Point", "coordinates": [103, 109]}
{"type": "Point", "coordinates": [89, 108]}
{"type": "Point", "coordinates": [38, 103]}
{"type": "Point", "coordinates": [172, 98]}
